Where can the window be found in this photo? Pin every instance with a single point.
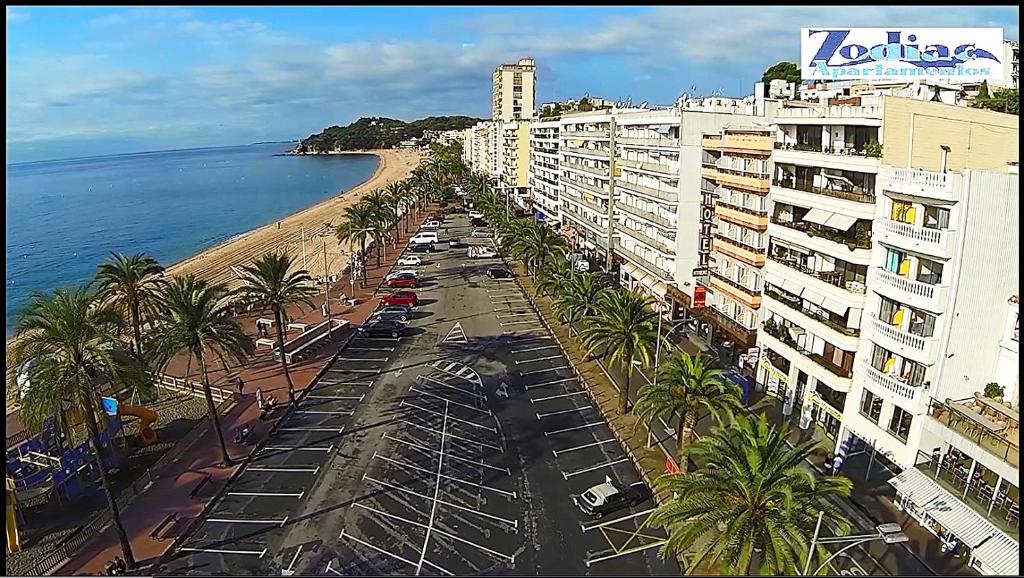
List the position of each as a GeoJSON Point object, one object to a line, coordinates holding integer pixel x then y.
{"type": "Point", "coordinates": [930, 272]}
{"type": "Point", "coordinates": [902, 211]}
{"type": "Point", "coordinates": [887, 310]}
{"type": "Point", "coordinates": [870, 406]}
{"type": "Point", "coordinates": [936, 217]}
{"type": "Point", "coordinates": [897, 262]}
{"type": "Point", "coordinates": [899, 425]}
{"type": "Point", "coordinates": [921, 324]}
{"type": "Point", "coordinates": [809, 137]}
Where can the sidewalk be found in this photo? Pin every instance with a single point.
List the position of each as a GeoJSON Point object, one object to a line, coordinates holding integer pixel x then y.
{"type": "Point", "coordinates": [170, 494]}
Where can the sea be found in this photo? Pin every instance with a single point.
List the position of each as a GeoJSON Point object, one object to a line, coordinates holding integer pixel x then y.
{"type": "Point", "coordinates": [64, 217]}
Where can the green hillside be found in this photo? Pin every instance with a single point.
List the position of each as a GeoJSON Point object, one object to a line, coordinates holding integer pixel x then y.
{"type": "Point", "coordinates": [378, 133]}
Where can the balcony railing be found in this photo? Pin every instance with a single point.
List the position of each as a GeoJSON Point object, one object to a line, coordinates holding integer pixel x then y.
{"type": "Point", "coordinates": [797, 305]}
{"type": "Point", "coordinates": [603, 134]}
{"type": "Point", "coordinates": [656, 244]}
{"type": "Point", "coordinates": [834, 278]}
{"type": "Point", "coordinates": [840, 111]}
{"type": "Point", "coordinates": [919, 182]}
{"type": "Point", "coordinates": [915, 342]}
{"type": "Point", "coordinates": [749, 297]}
{"type": "Point", "coordinates": [744, 142]}
{"type": "Point", "coordinates": [738, 328]}
{"type": "Point", "coordinates": [857, 194]}
{"type": "Point", "coordinates": [596, 189]}
{"type": "Point", "coordinates": [653, 167]}
{"type": "Point", "coordinates": [1005, 447]}
{"type": "Point", "coordinates": [740, 244]}
{"type": "Point", "coordinates": [586, 151]}
{"type": "Point", "coordinates": [909, 286]}
{"type": "Point", "coordinates": [648, 141]}
{"type": "Point", "coordinates": [853, 241]}
{"type": "Point", "coordinates": [603, 173]}
{"type": "Point", "coordinates": [906, 391]}
{"type": "Point", "coordinates": [931, 241]}
{"type": "Point", "coordinates": [782, 334]}
{"type": "Point", "coordinates": [593, 206]}
{"type": "Point", "coordinates": [669, 196]}
{"type": "Point", "coordinates": [646, 215]}
{"type": "Point", "coordinates": [840, 151]}
{"type": "Point", "coordinates": [643, 263]}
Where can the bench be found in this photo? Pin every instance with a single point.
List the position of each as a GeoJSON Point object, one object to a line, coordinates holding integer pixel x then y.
{"type": "Point", "coordinates": [309, 341]}
{"type": "Point", "coordinates": [155, 534]}
{"type": "Point", "coordinates": [265, 341]}
{"type": "Point", "coordinates": [300, 326]}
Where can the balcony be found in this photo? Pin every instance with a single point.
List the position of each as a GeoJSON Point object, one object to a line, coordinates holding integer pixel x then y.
{"type": "Point", "coordinates": [856, 194]}
{"type": "Point", "coordinates": [656, 142]}
{"type": "Point", "coordinates": [743, 335]}
{"type": "Point", "coordinates": [749, 297]}
{"type": "Point", "coordinates": [598, 134]}
{"type": "Point", "coordinates": [828, 283]}
{"type": "Point", "coordinates": [741, 216]}
{"type": "Point", "coordinates": [839, 151]}
{"type": "Point", "coordinates": [986, 422]}
{"type": "Point", "coordinates": [935, 242]}
{"type": "Point", "coordinates": [739, 250]}
{"type": "Point", "coordinates": [914, 347]}
{"type": "Point", "coordinates": [650, 167]}
{"type": "Point", "coordinates": [658, 245]}
{"type": "Point", "coordinates": [796, 305]}
{"type": "Point", "coordinates": [670, 196]}
{"type": "Point", "coordinates": [745, 143]}
{"type": "Point", "coordinates": [919, 183]}
{"type": "Point", "coordinates": [600, 172]}
{"type": "Point", "coordinates": [746, 182]}
{"type": "Point", "coordinates": [782, 342]}
{"type": "Point", "coordinates": [589, 204]}
{"type": "Point", "coordinates": [851, 240]}
{"type": "Point", "coordinates": [914, 293]}
{"type": "Point", "coordinates": [650, 216]}
{"type": "Point", "coordinates": [854, 115]}
{"type": "Point", "coordinates": [581, 184]}
{"type": "Point", "coordinates": [594, 153]}
{"type": "Point", "coordinates": [907, 394]}
{"type": "Point", "coordinates": [660, 273]}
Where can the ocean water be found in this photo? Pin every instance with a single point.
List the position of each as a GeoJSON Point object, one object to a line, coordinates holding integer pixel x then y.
{"type": "Point", "coordinates": [65, 217]}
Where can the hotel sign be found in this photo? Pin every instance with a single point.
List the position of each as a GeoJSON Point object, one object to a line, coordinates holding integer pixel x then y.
{"type": "Point", "coordinates": [707, 228]}
{"type": "Point", "coordinates": [902, 53]}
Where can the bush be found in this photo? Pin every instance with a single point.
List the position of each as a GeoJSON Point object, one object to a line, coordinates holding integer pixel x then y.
{"type": "Point", "coordinates": [873, 149]}
{"type": "Point", "coordinates": [994, 390]}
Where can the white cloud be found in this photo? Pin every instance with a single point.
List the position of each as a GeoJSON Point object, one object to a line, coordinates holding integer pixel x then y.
{"type": "Point", "coordinates": [16, 15]}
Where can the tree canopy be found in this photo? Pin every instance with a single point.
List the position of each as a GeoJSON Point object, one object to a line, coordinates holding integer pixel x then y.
{"type": "Point", "coordinates": [379, 132]}
{"type": "Point", "coordinates": [785, 70]}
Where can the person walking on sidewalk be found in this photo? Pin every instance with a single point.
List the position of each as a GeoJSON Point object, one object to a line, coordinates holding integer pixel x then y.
{"type": "Point", "coordinates": [837, 463]}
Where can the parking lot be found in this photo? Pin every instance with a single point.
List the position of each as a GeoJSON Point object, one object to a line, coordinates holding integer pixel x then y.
{"type": "Point", "coordinates": [453, 449]}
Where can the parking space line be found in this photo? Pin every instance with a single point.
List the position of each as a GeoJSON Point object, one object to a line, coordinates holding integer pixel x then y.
{"type": "Point", "coordinates": [473, 381]}
{"type": "Point", "coordinates": [588, 561]}
{"type": "Point", "coordinates": [366, 359]}
{"type": "Point", "coordinates": [321, 412]}
{"type": "Point", "coordinates": [212, 551]}
{"type": "Point", "coordinates": [441, 397]}
{"type": "Point", "coordinates": [377, 339]}
{"type": "Point", "coordinates": [511, 559]}
{"type": "Point", "coordinates": [559, 396]}
{"type": "Point", "coordinates": [269, 494]}
{"type": "Point", "coordinates": [536, 359]}
{"type": "Point", "coordinates": [587, 528]}
{"type": "Point", "coordinates": [297, 449]}
{"type": "Point", "coordinates": [513, 315]}
{"type": "Point", "coordinates": [453, 436]}
{"type": "Point", "coordinates": [371, 348]}
{"type": "Point", "coordinates": [237, 521]}
{"type": "Point", "coordinates": [363, 370]}
{"type": "Point", "coordinates": [382, 551]}
{"type": "Point", "coordinates": [468, 461]}
{"type": "Point", "coordinates": [346, 383]}
{"type": "Point", "coordinates": [560, 367]}
{"type": "Point", "coordinates": [479, 396]}
{"type": "Point", "coordinates": [350, 397]}
{"type": "Point", "coordinates": [552, 346]}
{"type": "Point", "coordinates": [457, 420]}
{"type": "Point", "coordinates": [325, 429]}
{"type": "Point", "coordinates": [566, 450]}
{"type": "Point", "coordinates": [550, 383]}
{"type": "Point", "coordinates": [516, 323]}
{"type": "Point", "coordinates": [513, 523]}
{"type": "Point", "coordinates": [568, 429]}
{"type": "Point", "coordinates": [294, 558]}
{"type": "Point", "coordinates": [512, 494]}
{"type": "Point", "coordinates": [282, 470]}
{"type": "Point", "coordinates": [597, 467]}
{"type": "Point", "coordinates": [564, 411]}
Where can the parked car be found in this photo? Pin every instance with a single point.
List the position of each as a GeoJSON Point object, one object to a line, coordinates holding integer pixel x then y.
{"type": "Point", "coordinates": [402, 313]}
{"type": "Point", "coordinates": [384, 327]}
{"type": "Point", "coordinates": [403, 280]}
{"type": "Point", "coordinates": [423, 237]}
{"type": "Point", "coordinates": [400, 298]}
{"type": "Point", "coordinates": [603, 499]}
{"type": "Point", "coordinates": [499, 273]}
{"type": "Point", "coordinates": [422, 248]}
{"type": "Point", "coordinates": [454, 242]}
{"type": "Point", "coordinates": [410, 260]}
{"type": "Point", "coordinates": [477, 252]}
{"type": "Point", "coordinates": [476, 215]}
{"type": "Point", "coordinates": [481, 234]}
{"type": "Point", "coordinates": [401, 272]}
{"type": "Point", "coordinates": [478, 222]}
{"type": "Point", "coordinates": [431, 225]}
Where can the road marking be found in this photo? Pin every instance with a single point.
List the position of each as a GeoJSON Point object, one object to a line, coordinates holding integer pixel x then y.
{"type": "Point", "coordinates": [517, 323]}
{"type": "Point", "coordinates": [268, 494]}
{"type": "Point", "coordinates": [479, 396]}
{"type": "Point", "coordinates": [456, 334]}
{"type": "Point", "coordinates": [212, 551]}
{"type": "Point", "coordinates": [564, 411]}
{"type": "Point", "coordinates": [395, 339]}
{"type": "Point", "coordinates": [568, 429]}
{"type": "Point", "coordinates": [453, 436]}
{"type": "Point", "coordinates": [325, 429]}
{"type": "Point", "coordinates": [550, 383]}
{"type": "Point", "coordinates": [536, 359]}
{"type": "Point", "coordinates": [236, 521]}
{"type": "Point", "coordinates": [298, 449]}
{"type": "Point", "coordinates": [559, 368]}
{"type": "Point", "coordinates": [474, 380]}
{"type": "Point", "coordinates": [450, 456]}
{"type": "Point", "coordinates": [400, 463]}
{"type": "Point", "coordinates": [363, 370]}
{"type": "Point", "coordinates": [366, 359]}
{"type": "Point", "coordinates": [371, 348]}
{"type": "Point", "coordinates": [282, 470]}
{"type": "Point", "coordinates": [467, 422]}
{"type": "Point", "coordinates": [553, 346]}
{"type": "Point", "coordinates": [597, 467]}
{"type": "Point", "coordinates": [441, 397]}
{"type": "Point", "coordinates": [556, 452]}
{"type": "Point", "coordinates": [319, 412]}
{"type": "Point", "coordinates": [512, 315]}
{"type": "Point", "coordinates": [288, 570]}
{"type": "Point", "coordinates": [350, 397]}
{"type": "Point", "coordinates": [513, 523]}
{"type": "Point", "coordinates": [385, 552]}
{"type": "Point", "coordinates": [559, 396]}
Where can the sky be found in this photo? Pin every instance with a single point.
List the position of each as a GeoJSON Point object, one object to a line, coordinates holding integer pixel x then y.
{"type": "Point", "coordinates": [93, 81]}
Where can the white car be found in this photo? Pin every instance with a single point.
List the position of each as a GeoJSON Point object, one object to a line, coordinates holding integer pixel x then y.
{"type": "Point", "coordinates": [424, 237]}
{"type": "Point", "coordinates": [410, 260]}
{"type": "Point", "coordinates": [480, 234]}
{"type": "Point", "coordinates": [391, 276]}
{"type": "Point", "coordinates": [482, 252]}
{"type": "Point", "coordinates": [476, 215]}
{"type": "Point", "coordinates": [431, 225]}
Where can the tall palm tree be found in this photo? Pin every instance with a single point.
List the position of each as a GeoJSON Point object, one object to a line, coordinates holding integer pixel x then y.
{"type": "Point", "coordinates": [134, 285]}
{"type": "Point", "coordinates": [751, 493]}
{"type": "Point", "coordinates": [581, 297]}
{"type": "Point", "coordinates": [554, 277]}
{"type": "Point", "coordinates": [383, 217]}
{"type": "Point", "coordinates": [625, 330]}
{"type": "Point", "coordinates": [270, 283]}
{"type": "Point", "coordinates": [395, 194]}
{"type": "Point", "coordinates": [67, 348]}
{"type": "Point", "coordinates": [687, 384]}
{"type": "Point", "coordinates": [199, 323]}
{"type": "Point", "coordinates": [355, 227]}
{"type": "Point", "coordinates": [539, 245]}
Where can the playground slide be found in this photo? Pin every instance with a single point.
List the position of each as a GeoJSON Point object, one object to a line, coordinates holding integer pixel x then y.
{"type": "Point", "coordinates": [147, 416]}
{"type": "Point", "coordinates": [13, 535]}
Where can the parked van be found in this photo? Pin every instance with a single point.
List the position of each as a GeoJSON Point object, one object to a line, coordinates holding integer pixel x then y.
{"type": "Point", "coordinates": [424, 237]}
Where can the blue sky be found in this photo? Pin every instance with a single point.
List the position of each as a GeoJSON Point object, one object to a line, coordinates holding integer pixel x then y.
{"type": "Point", "coordinates": [90, 81]}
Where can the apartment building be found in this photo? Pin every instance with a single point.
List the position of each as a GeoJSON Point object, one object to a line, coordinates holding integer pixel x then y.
{"type": "Point", "coordinates": [735, 182]}
{"type": "Point", "coordinates": [515, 161]}
{"type": "Point", "coordinates": [514, 91]}
{"type": "Point", "coordinates": [586, 151]}
{"type": "Point", "coordinates": [1011, 61]}
{"type": "Point", "coordinates": [544, 176]}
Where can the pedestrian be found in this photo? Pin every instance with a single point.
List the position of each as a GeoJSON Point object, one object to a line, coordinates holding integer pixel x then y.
{"type": "Point", "coordinates": [110, 569]}
{"type": "Point", "coordinates": [239, 384]}
{"type": "Point", "coordinates": [837, 463]}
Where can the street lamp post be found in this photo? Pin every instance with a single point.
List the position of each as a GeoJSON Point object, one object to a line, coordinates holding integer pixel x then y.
{"type": "Point", "coordinates": [890, 533]}
{"type": "Point", "coordinates": [327, 286]}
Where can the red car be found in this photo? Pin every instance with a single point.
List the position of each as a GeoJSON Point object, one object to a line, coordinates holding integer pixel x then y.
{"type": "Point", "coordinates": [407, 280]}
{"type": "Point", "coordinates": [400, 298]}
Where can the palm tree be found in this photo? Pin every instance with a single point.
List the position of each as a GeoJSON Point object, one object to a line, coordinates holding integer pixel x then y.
{"type": "Point", "coordinates": [554, 277]}
{"type": "Point", "coordinates": [539, 245]}
{"type": "Point", "coordinates": [685, 385]}
{"type": "Point", "coordinates": [134, 285]}
{"type": "Point", "coordinates": [267, 284]}
{"type": "Point", "coordinates": [625, 330]}
{"type": "Point", "coordinates": [198, 322]}
{"type": "Point", "coordinates": [752, 493]}
{"type": "Point", "coordinates": [383, 218]}
{"type": "Point", "coordinates": [355, 227]}
{"type": "Point", "coordinates": [395, 194]}
{"type": "Point", "coordinates": [581, 297]}
{"type": "Point", "coordinates": [67, 348]}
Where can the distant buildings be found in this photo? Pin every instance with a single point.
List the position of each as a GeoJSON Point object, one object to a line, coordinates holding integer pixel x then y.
{"type": "Point", "coordinates": [514, 91]}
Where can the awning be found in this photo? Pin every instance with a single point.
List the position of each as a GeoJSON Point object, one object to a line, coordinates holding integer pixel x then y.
{"type": "Point", "coordinates": [835, 306]}
{"type": "Point", "coordinates": [1000, 555]}
{"type": "Point", "coordinates": [963, 522]}
{"type": "Point", "coordinates": [840, 222]}
{"type": "Point", "coordinates": [649, 282]}
{"type": "Point", "coordinates": [814, 297]}
{"type": "Point", "coordinates": [818, 216]}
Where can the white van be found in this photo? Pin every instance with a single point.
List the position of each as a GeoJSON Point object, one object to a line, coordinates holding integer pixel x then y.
{"type": "Point", "coordinates": [424, 237]}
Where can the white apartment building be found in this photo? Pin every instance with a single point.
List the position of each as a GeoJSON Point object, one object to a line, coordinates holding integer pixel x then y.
{"type": "Point", "coordinates": [514, 91]}
{"type": "Point", "coordinates": [483, 150]}
{"type": "Point", "coordinates": [585, 151]}
{"type": "Point", "coordinates": [515, 161]}
{"type": "Point", "coordinates": [1011, 61]}
{"type": "Point", "coordinates": [545, 174]}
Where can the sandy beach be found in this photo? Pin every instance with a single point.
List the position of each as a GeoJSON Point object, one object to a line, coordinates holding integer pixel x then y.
{"type": "Point", "coordinates": [310, 225]}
